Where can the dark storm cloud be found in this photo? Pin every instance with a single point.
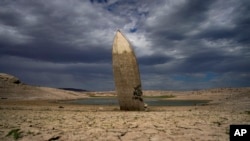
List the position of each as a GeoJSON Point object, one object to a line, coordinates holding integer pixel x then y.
{"type": "Point", "coordinates": [215, 33]}
{"type": "Point", "coordinates": [99, 1]}
{"type": "Point", "coordinates": [179, 44]}
{"type": "Point", "coordinates": [54, 35]}
{"type": "Point", "coordinates": [153, 59]}
{"type": "Point", "coordinates": [189, 14]}
{"type": "Point", "coordinates": [239, 29]}
{"type": "Point", "coordinates": [242, 22]}
{"type": "Point", "coordinates": [46, 37]}
{"type": "Point", "coordinates": [184, 17]}
{"type": "Point", "coordinates": [174, 31]}
{"type": "Point", "coordinates": [58, 53]}
{"type": "Point", "coordinates": [200, 37]}
{"type": "Point", "coordinates": [11, 18]}
{"type": "Point", "coordinates": [214, 62]}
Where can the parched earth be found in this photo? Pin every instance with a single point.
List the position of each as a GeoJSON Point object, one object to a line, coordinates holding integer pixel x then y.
{"type": "Point", "coordinates": [47, 121]}
{"type": "Point", "coordinates": [73, 125]}
{"type": "Point", "coordinates": [31, 113]}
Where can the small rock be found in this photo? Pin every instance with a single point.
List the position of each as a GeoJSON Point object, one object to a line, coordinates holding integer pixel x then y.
{"type": "Point", "coordinates": [54, 138]}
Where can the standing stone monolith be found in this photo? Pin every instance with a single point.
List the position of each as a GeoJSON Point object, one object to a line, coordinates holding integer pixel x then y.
{"type": "Point", "coordinates": [126, 74]}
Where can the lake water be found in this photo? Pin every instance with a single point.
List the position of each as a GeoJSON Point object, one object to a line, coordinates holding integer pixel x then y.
{"type": "Point", "coordinates": [149, 101]}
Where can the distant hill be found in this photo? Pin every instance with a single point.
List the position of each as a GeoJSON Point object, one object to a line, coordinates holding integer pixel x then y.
{"type": "Point", "coordinates": [12, 88]}
{"type": "Point", "coordinates": [74, 89]}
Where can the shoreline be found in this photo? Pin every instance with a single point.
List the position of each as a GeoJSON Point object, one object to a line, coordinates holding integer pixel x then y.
{"type": "Point", "coordinates": [53, 119]}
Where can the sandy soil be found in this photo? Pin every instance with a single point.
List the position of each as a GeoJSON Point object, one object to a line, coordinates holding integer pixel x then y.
{"type": "Point", "coordinates": [55, 120]}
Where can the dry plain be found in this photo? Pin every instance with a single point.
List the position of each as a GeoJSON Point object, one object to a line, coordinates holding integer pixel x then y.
{"type": "Point", "coordinates": [38, 113]}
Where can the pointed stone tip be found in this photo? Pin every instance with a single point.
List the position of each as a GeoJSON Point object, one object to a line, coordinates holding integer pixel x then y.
{"type": "Point", "coordinates": [121, 44]}
{"type": "Point", "coordinates": [118, 30]}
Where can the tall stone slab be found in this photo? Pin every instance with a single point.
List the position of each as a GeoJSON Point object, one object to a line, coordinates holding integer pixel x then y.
{"type": "Point", "coordinates": [126, 74]}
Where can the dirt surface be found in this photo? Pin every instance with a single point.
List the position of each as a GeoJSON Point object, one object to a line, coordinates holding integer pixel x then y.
{"type": "Point", "coordinates": [56, 120]}
{"type": "Point", "coordinates": [30, 113]}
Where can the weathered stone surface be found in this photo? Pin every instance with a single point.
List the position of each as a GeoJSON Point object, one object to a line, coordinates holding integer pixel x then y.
{"type": "Point", "coordinates": [126, 74]}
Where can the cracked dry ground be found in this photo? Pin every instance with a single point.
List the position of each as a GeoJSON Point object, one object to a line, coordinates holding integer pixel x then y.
{"type": "Point", "coordinates": [78, 123]}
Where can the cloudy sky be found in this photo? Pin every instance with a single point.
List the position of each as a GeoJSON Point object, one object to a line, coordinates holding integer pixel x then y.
{"type": "Point", "coordinates": [180, 44]}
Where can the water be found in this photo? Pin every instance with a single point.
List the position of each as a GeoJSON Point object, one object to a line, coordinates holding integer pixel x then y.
{"type": "Point", "coordinates": [149, 101]}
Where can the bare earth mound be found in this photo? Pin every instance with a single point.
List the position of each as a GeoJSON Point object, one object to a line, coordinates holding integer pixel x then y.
{"type": "Point", "coordinates": [12, 88]}
{"type": "Point", "coordinates": [39, 118]}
